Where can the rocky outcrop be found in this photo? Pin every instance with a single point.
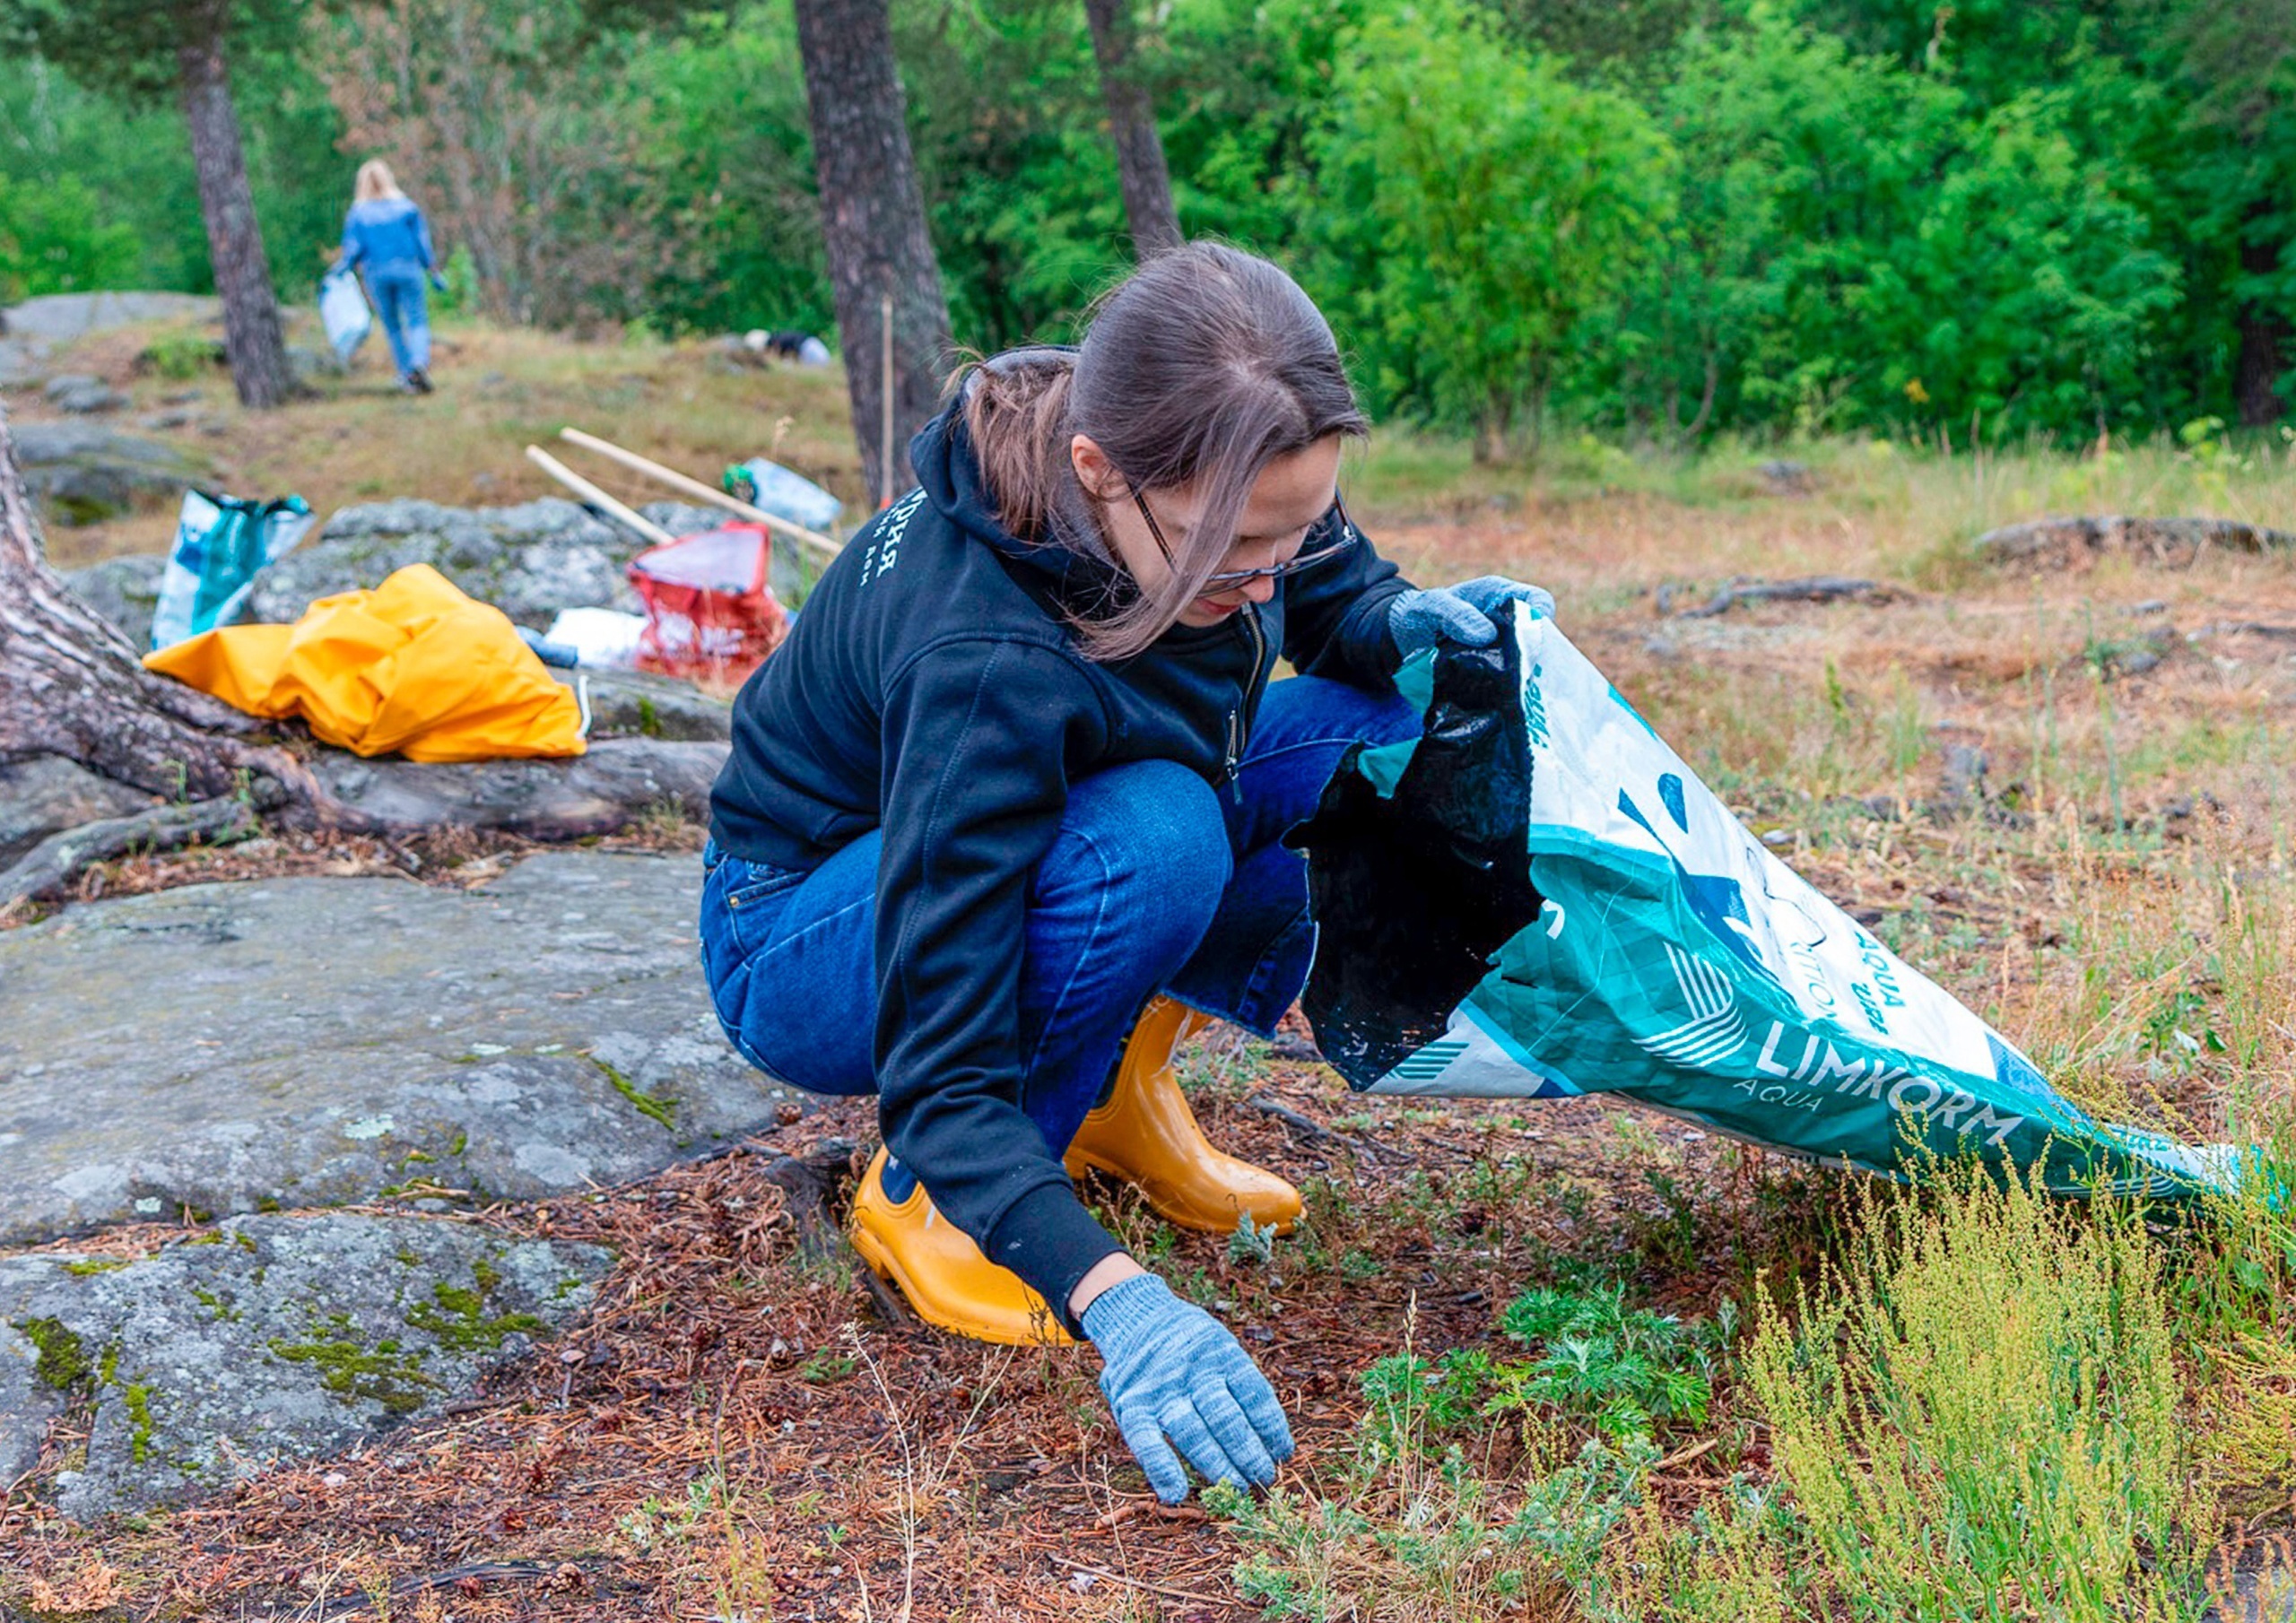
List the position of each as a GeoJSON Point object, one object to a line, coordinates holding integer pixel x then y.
{"type": "Point", "coordinates": [530, 560]}
{"type": "Point", "coordinates": [125, 590]}
{"type": "Point", "coordinates": [83, 394]}
{"type": "Point", "coordinates": [635, 704]}
{"type": "Point", "coordinates": [60, 318]}
{"type": "Point", "coordinates": [80, 472]}
{"type": "Point", "coordinates": [308, 1042]}
{"type": "Point", "coordinates": [264, 1339]}
{"type": "Point", "coordinates": [613, 785]}
{"type": "Point", "coordinates": [2073, 542]}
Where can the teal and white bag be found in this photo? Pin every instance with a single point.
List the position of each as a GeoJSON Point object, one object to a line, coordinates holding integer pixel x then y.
{"type": "Point", "coordinates": [1537, 899]}
{"type": "Point", "coordinates": [221, 544]}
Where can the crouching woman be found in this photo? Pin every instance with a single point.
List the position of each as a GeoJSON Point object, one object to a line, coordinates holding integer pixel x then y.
{"type": "Point", "coordinates": [1004, 817]}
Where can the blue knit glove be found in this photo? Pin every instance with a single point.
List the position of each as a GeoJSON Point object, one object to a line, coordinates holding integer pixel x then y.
{"type": "Point", "coordinates": [1174, 1371]}
{"type": "Point", "coordinates": [1462, 614]}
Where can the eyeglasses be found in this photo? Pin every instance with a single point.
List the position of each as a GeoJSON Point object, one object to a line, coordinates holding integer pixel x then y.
{"type": "Point", "coordinates": [1222, 580]}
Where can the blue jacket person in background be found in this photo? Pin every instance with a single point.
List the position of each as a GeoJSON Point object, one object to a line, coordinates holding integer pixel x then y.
{"type": "Point", "coordinates": [1004, 817]}
{"type": "Point", "coordinates": [385, 236]}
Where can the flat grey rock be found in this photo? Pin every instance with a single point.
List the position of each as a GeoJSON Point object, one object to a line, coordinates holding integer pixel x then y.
{"type": "Point", "coordinates": [125, 590]}
{"type": "Point", "coordinates": [613, 785]}
{"type": "Point", "coordinates": [638, 704]}
{"type": "Point", "coordinates": [22, 364]}
{"type": "Point", "coordinates": [59, 318]}
{"type": "Point", "coordinates": [313, 1042]}
{"type": "Point", "coordinates": [307, 362]}
{"type": "Point", "coordinates": [82, 473]}
{"type": "Point", "coordinates": [27, 1404]}
{"type": "Point", "coordinates": [81, 394]}
{"type": "Point", "coordinates": [48, 794]}
{"type": "Point", "coordinates": [530, 560]}
{"type": "Point", "coordinates": [270, 1338]}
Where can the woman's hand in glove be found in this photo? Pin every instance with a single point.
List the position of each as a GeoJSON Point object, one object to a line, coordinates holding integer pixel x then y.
{"type": "Point", "coordinates": [1462, 614]}
{"type": "Point", "coordinates": [1174, 1372]}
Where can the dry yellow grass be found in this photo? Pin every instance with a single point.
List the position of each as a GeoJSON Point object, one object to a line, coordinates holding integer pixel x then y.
{"type": "Point", "coordinates": [500, 390]}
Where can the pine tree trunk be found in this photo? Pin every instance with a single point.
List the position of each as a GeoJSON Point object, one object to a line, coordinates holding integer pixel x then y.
{"type": "Point", "coordinates": [1132, 124]}
{"type": "Point", "coordinates": [872, 220]}
{"type": "Point", "coordinates": [70, 685]}
{"type": "Point", "coordinates": [2263, 336]}
{"type": "Point", "coordinates": [251, 331]}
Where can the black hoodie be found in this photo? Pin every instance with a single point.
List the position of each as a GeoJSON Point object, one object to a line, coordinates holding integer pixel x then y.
{"type": "Point", "coordinates": [933, 687]}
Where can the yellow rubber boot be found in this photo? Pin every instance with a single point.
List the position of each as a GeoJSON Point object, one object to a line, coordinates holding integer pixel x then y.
{"type": "Point", "coordinates": [943, 1273]}
{"type": "Point", "coordinates": [1146, 1134]}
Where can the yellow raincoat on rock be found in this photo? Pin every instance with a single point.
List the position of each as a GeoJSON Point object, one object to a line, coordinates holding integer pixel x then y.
{"type": "Point", "coordinates": [413, 666]}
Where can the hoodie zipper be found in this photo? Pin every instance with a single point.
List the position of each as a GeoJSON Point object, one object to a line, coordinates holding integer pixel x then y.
{"type": "Point", "coordinates": [1239, 731]}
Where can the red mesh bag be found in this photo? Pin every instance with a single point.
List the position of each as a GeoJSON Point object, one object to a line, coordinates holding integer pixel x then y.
{"type": "Point", "coordinates": [709, 615]}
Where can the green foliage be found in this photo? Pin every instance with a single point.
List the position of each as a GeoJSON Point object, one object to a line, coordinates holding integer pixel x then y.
{"type": "Point", "coordinates": [1253, 1245]}
{"type": "Point", "coordinates": [1621, 1372]}
{"type": "Point", "coordinates": [104, 185]}
{"type": "Point", "coordinates": [1857, 245]}
{"type": "Point", "coordinates": [1398, 1537]}
{"type": "Point", "coordinates": [1597, 1366]}
{"type": "Point", "coordinates": [1479, 205]}
{"type": "Point", "coordinates": [722, 139]}
{"type": "Point", "coordinates": [128, 48]}
{"type": "Point", "coordinates": [52, 240]}
{"type": "Point", "coordinates": [179, 356]}
{"type": "Point", "coordinates": [1670, 220]}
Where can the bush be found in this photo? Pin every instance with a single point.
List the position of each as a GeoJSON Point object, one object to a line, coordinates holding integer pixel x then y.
{"type": "Point", "coordinates": [1479, 204]}
{"type": "Point", "coordinates": [52, 240]}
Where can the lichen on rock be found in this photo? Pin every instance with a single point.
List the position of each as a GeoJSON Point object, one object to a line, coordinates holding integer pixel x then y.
{"type": "Point", "coordinates": [297, 1337]}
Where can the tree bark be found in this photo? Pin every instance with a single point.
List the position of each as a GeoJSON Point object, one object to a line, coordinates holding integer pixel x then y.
{"type": "Point", "coordinates": [1132, 125]}
{"type": "Point", "coordinates": [872, 222]}
{"type": "Point", "coordinates": [2263, 334]}
{"type": "Point", "coordinates": [251, 330]}
{"type": "Point", "coordinates": [70, 685]}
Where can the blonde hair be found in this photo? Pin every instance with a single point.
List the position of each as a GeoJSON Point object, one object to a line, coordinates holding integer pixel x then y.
{"type": "Point", "coordinates": [376, 181]}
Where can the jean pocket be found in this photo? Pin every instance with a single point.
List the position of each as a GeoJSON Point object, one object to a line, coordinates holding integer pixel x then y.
{"type": "Point", "coordinates": [748, 883]}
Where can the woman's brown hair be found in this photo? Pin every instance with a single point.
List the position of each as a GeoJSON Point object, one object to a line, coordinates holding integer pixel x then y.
{"type": "Point", "coordinates": [1198, 370]}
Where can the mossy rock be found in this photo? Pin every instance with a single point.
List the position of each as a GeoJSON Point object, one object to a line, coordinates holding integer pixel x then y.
{"type": "Point", "coordinates": [295, 1338]}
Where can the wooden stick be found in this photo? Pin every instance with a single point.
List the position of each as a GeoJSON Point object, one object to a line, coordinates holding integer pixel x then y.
{"type": "Point", "coordinates": [695, 487]}
{"type": "Point", "coordinates": [885, 452]}
{"type": "Point", "coordinates": [1309, 1127]}
{"type": "Point", "coordinates": [596, 497]}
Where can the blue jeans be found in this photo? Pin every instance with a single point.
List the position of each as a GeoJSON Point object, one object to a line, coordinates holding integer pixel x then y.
{"type": "Point", "coordinates": [399, 299]}
{"type": "Point", "coordinates": [1156, 882]}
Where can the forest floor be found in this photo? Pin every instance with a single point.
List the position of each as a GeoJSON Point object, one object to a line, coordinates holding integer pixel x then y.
{"type": "Point", "coordinates": [736, 1434]}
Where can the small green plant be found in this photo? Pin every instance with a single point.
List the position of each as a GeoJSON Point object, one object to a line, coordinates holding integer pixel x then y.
{"type": "Point", "coordinates": [826, 1368]}
{"type": "Point", "coordinates": [1253, 1245]}
{"type": "Point", "coordinates": [1669, 1240]}
{"type": "Point", "coordinates": [179, 357]}
{"type": "Point", "coordinates": [1619, 1372]}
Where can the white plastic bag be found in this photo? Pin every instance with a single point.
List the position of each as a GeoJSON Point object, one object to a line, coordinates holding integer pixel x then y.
{"type": "Point", "coordinates": [602, 636]}
{"type": "Point", "coordinates": [344, 312]}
